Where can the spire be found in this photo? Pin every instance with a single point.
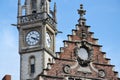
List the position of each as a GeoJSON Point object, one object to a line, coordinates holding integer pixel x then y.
{"type": "Point", "coordinates": [55, 11]}
{"type": "Point", "coordinates": [81, 12]}
{"type": "Point", "coordinates": [19, 2]}
{"type": "Point", "coordinates": [19, 8]}
{"type": "Point", "coordinates": [19, 13]}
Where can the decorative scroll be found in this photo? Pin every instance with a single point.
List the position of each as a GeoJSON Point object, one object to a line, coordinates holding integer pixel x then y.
{"type": "Point", "coordinates": [84, 53]}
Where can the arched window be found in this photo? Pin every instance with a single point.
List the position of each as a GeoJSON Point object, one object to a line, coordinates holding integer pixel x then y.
{"type": "Point", "coordinates": [32, 64]}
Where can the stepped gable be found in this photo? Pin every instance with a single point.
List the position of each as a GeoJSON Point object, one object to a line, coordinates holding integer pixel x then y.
{"type": "Point", "coordinates": [81, 57]}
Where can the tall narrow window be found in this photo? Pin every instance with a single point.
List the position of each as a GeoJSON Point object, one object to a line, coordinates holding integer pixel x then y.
{"type": "Point", "coordinates": [32, 64]}
{"type": "Point", "coordinates": [34, 5]}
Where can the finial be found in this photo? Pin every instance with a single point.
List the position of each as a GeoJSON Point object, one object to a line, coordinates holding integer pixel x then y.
{"type": "Point", "coordinates": [81, 12]}
{"type": "Point", "coordinates": [55, 6]}
{"type": "Point", "coordinates": [19, 8]}
{"type": "Point", "coordinates": [81, 6]}
{"type": "Point", "coordinates": [55, 11]}
{"type": "Point", "coordinates": [19, 2]}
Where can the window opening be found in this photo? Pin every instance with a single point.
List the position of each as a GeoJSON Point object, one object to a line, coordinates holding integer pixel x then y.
{"type": "Point", "coordinates": [32, 64]}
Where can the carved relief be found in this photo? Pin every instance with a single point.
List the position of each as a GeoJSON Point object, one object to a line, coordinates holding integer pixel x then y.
{"type": "Point", "coordinates": [37, 17]}
{"type": "Point", "coordinates": [66, 69]}
{"type": "Point", "coordinates": [84, 53]}
{"type": "Point", "coordinates": [83, 34]}
{"type": "Point", "coordinates": [101, 73]}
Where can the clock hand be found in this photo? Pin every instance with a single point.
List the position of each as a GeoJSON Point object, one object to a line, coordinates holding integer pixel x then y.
{"type": "Point", "coordinates": [34, 38]}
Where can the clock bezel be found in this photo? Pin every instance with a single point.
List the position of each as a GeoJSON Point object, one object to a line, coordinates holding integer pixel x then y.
{"type": "Point", "coordinates": [38, 33]}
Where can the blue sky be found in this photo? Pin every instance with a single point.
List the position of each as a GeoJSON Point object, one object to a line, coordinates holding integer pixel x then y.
{"type": "Point", "coordinates": [102, 16]}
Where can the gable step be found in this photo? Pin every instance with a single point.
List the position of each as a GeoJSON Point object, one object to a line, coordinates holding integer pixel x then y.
{"type": "Point", "coordinates": [104, 64]}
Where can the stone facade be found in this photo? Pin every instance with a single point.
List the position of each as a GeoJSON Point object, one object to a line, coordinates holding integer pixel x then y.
{"type": "Point", "coordinates": [80, 58]}
{"type": "Point", "coordinates": [67, 64]}
{"type": "Point", "coordinates": [25, 64]}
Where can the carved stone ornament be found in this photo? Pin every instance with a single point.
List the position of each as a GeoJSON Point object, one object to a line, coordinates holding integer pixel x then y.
{"type": "Point", "coordinates": [101, 73]}
{"type": "Point", "coordinates": [83, 34]}
{"type": "Point", "coordinates": [66, 69]}
{"type": "Point", "coordinates": [84, 54]}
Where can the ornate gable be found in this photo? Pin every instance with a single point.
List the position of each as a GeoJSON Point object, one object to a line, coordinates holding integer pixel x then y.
{"type": "Point", "coordinates": [81, 57]}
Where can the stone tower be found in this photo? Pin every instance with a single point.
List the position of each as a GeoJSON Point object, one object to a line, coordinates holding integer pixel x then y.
{"type": "Point", "coordinates": [37, 31]}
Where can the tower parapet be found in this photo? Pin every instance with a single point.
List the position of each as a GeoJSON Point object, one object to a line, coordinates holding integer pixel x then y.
{"type": "Point", "coordinates": [36, 10]}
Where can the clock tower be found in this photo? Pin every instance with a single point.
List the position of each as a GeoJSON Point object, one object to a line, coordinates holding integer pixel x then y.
{"type": "Point", "coordinates": [37, 30]}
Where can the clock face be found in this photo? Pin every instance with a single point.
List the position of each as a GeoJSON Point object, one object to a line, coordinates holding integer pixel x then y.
{"type": "Point", "coordinates": [32, 38]}
{"type": "Point", "coordinates": [83, 54]}
{"type": "Point", "coordinates": [48, 40]}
